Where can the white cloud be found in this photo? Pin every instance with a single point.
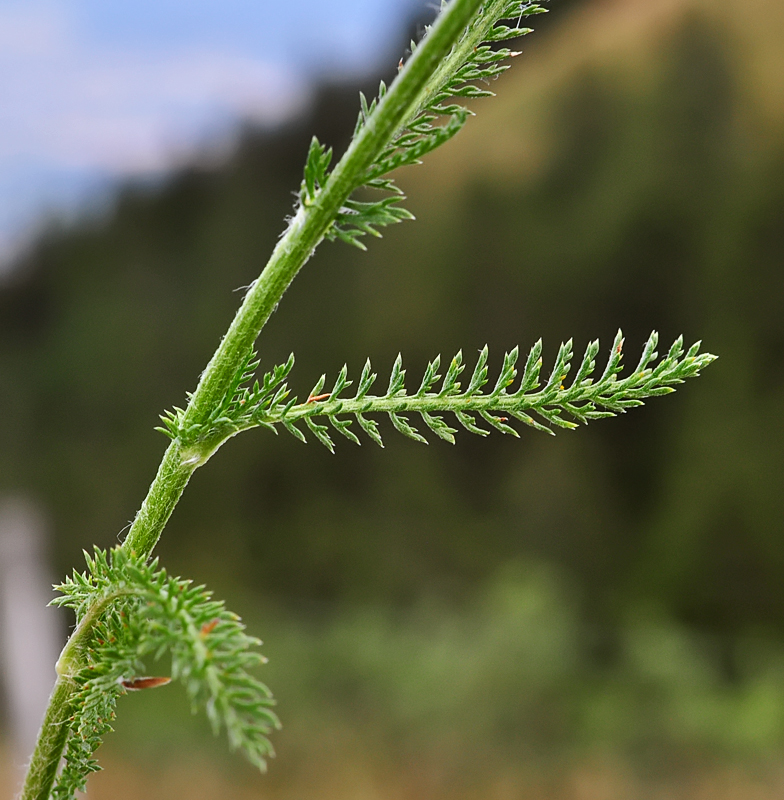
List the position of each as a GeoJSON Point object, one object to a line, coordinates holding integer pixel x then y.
{"type": "Point", "coordinates": [31, 30]}
{"type": "Point", "coordinates": [125, 114]}
{"type": "Point", "coordinates": [74, 113]}
{"type": "Point", "coordinates": [69, 101]}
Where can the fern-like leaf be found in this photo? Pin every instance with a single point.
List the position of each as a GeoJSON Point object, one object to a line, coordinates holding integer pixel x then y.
{"type": "Point", "coordinates": [137, 613]}
{"type": "Point", "coordinates": [438, 117]}
{"type": "Point", "coordinates": [539, 402]}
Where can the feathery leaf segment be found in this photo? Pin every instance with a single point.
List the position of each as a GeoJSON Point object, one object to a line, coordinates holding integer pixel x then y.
{"type": "Point", "coordinates": [435, 119]}
{"type": "Point", "coordinates": [267, 403]}
{"type": "Point", "coordinates": [129, 613]}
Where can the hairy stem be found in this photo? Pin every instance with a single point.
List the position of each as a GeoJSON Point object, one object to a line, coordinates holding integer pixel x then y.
{"type": "Point", "coordinates": [54, 730]}
{"type": "Point", "coordinates": [51, 741]}
{"type": "Point", "coordinates": [308, 227]}
{"type": "Point", "coordinates": [173, 475]}
{"type": "Point", "coordinates": [304, 234]}
{"type": "Point", "coordinates": [427, 404]}
{"type": "Point", "coordinates": [477, 34]}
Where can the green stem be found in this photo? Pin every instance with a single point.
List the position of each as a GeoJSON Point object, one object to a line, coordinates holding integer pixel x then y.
{"type": "Point", "coordinates": [51, 741]}
{"type": "Point", "coordinates": [304, 234]}
{"type": "Point", "coordinates": [427, 404]}
{"type": "Point", "coordinates": [175, 471]}
{"type": "Point", "coordinates": [54, 730]}
{"type": "Point", "coordinates": [310, 224]}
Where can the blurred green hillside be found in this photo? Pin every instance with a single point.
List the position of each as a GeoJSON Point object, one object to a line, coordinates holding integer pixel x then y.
{"type": "Point", "coordinates": [629, 174]}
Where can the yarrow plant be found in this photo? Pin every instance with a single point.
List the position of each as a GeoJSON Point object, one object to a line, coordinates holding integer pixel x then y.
{"type": "Point", "coordinates": [130, 612]}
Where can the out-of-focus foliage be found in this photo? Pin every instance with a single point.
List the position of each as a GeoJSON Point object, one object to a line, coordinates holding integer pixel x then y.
{"type": "Point", "coordinates": [512, 671]}
{"type": "Point", "coordinates": [632, 175]}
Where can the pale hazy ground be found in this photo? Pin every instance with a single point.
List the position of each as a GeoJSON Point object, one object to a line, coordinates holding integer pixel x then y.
{"type": "Point", "coordinates": [362, 779]}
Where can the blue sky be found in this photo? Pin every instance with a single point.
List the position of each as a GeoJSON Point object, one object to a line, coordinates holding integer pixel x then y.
{"type": "Point", "coordinates": [95, 90]}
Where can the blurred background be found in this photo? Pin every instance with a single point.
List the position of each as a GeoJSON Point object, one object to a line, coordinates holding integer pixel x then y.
{"type": "Point", "coordinates": [598, 615]}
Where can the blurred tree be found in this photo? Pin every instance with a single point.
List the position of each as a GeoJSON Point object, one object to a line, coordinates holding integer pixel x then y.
{"type": "Point", "coordinates": [655, 201]}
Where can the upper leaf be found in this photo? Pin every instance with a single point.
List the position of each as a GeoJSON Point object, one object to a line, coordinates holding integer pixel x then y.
{"type": "Point", "coordinates": [437, 118]}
